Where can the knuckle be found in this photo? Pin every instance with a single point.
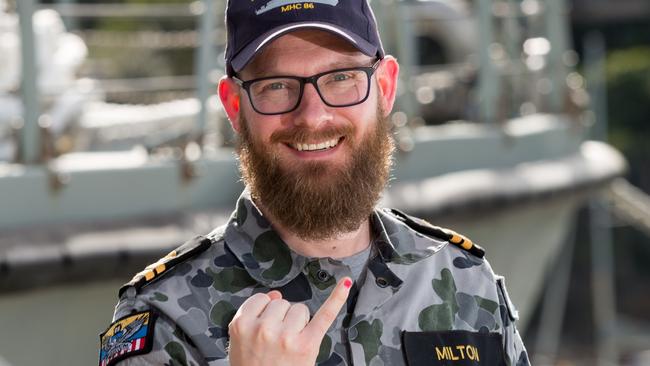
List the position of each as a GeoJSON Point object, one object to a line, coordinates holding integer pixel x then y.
{"type": "Point", "coordinates": [286, 342]}
{"type": "Point", "coordinates": [266, 333]}
{"type": "Point", "coordinates": [301, 310]}
{"type": "Point", "coordinates": [340, 296]}
{"type": "Point", "coordinates": [259, 296]}
{"type": "Point", "coordinates": [285, 303]}
{"type": "Point", "coordinates": [328, 314]}
{"type": "Point", "coordinates": [281, 303]}
{"type": "Point", "coordinates": [234, 328]}
{"type": "Point", "coordinates": [301, 307]}
{"type": "Point", "coordinates": [276, 302]}
{"type": "Point", "coordinates": [303, 350]}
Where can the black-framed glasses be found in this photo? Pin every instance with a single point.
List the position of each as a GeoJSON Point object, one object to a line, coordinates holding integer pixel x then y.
{"type": "Point", "coordinates": [336, 88]}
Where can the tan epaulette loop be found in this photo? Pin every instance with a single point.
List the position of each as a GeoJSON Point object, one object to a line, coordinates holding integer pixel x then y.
{"type": "Point", "coordinates": [424, 227]}
{"type": "Point", "coordinates": [458, 239]}
{"type": "Point", "coordinates": [153, 271]}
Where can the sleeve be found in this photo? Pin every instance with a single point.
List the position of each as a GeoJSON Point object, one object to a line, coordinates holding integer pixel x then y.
{"type": "Point", "coordinates": [514, 348]}
{"type": "Point", "coordinates": [159, 340]}
{"type": "Point", "coordinates": [170, 347]}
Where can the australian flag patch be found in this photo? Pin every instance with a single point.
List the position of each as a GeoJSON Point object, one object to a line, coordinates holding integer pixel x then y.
{"type": "Point", "coordinates": [128, 336]}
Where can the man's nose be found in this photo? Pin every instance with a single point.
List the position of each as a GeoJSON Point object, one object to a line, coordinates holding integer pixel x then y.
{"type": "Point", "coordinates": [312, 111]}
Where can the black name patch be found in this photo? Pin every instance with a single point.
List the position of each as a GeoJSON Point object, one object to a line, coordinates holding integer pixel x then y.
{"type": "Point", "coordinates": [452, 348]}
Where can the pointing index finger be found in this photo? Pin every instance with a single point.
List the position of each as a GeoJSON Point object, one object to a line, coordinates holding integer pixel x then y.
{"type": "Point", "coordinates": [326, 315]}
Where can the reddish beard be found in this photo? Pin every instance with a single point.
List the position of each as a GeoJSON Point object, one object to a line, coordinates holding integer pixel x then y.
{"type": "Point", "coordinates": [317, 200]}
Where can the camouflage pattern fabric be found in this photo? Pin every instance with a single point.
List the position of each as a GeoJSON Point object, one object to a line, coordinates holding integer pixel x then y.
{"type": "Point", "coordinates": [414, 283]}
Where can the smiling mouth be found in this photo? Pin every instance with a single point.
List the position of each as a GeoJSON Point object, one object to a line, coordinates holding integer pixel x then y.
{"type": "Point", "coordinates": [321, 146]}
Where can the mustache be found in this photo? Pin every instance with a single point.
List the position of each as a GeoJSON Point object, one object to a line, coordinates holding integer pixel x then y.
{"type": "Point", "coordinates": [302, 134]}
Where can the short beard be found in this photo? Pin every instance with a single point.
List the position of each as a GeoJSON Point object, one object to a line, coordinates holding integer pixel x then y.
{"type": "Point", "coordinates": [318, 202]}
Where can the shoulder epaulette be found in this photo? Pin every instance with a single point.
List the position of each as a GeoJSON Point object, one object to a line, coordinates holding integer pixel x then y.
{"type": "Point", "coordinates": [153, 271]}
{"type": "Point", "coordinates": [424, 227]}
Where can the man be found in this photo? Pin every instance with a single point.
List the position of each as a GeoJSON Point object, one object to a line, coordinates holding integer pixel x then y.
{"type": "Point", "coordinates": [307, 270]}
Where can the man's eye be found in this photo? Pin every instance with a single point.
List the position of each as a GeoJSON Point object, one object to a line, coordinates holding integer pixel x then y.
{"type": "Point", "coordinates": [275, 86]}
{"type": "Point", "coordinates": [340, 77]}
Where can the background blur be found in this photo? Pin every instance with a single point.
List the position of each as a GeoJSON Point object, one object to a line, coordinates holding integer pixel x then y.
{"type": "Point", "coordinates": [114, 150]}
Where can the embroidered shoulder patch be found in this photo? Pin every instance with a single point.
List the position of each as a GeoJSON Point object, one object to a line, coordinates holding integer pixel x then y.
{"type": "Point", "coordinates": [128, 336]}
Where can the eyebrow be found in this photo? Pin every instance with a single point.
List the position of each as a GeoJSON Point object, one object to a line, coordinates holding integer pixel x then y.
{"type": "Point", "coordinates": [258, 72]}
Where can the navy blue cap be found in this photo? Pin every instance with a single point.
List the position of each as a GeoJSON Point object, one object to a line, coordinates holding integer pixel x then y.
{"type": "Point", "coordinates": [253, 24]}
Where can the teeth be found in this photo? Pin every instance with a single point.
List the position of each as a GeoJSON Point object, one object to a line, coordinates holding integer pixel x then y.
{"type": "Point", "coordinates": [314, 147]}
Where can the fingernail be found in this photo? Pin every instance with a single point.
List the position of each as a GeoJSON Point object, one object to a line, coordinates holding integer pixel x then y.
{"type": "Point", "coordinates": [347, 283]}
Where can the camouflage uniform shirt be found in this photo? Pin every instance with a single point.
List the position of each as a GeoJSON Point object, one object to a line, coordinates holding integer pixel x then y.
{"type": "Point", "coordinates": [423, 300]}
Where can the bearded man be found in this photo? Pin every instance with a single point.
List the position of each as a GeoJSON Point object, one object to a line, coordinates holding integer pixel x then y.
{"type": "Point", "coordinates": [307, 270]}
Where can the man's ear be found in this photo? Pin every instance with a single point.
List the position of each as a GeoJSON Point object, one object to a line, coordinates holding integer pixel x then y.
{"type": "Point", "coordinates": [230, 97]}
{"type": "Point", "coordinates": [387, 75]}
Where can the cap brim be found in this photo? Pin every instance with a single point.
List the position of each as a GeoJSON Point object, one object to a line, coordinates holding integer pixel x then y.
{"type": "Point", "coordinates": [240, 60]}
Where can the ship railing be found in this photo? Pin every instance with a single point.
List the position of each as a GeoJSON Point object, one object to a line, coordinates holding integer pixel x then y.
{"type": "Point", "coordinates": [512, 70]}
{"type": "Point", "coordinates": [630, 204]}
{"type": "Point", "coordinates": [519, 72]}
{"type": "Point", "coordinates": [204, 39]}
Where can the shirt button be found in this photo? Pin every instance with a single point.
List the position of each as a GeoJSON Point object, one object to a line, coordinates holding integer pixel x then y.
{"type": "Point", "coordinates": [381, 282]}
{"type": "Point", "coordinates": [322, 275]}
{"type": "Point", "coordinates": [353, 333]}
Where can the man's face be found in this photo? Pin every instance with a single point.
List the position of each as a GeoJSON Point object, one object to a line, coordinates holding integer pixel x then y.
{"type": "Point", "coordinates": [316, 194]}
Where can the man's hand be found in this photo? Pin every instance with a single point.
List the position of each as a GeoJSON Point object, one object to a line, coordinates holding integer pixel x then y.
{"type": "Point", "coordinates": [268, 330]}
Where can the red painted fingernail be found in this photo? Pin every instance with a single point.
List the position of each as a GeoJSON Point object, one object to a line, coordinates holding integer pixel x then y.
{"type": "Point", "coordinates": [347, 283]}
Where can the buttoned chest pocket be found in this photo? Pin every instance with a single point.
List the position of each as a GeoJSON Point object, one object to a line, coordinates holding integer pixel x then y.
{"type": "Point", "coordinates": [453, 348]}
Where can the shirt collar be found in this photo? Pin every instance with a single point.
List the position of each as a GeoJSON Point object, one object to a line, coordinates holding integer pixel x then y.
{"type": "Point", "coordinates": [270, 261]}
{"type": "Point", "coordinates": [266, 257]}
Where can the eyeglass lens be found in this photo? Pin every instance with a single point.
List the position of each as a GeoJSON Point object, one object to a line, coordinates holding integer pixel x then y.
{"type": "Point", "coordinates": [338, 88]}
